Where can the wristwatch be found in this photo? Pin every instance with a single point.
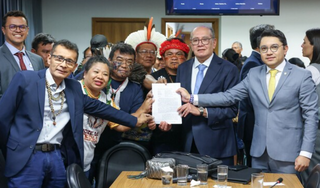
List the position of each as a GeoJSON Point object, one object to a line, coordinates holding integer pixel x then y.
{"type": "Point", "coordinates": [201, 109]}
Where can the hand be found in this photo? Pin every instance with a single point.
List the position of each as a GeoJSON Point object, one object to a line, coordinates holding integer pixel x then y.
{"type": "Point", "coordinates": [149, 95]}
{"type": "Point", "coordinates": [164, 126]}
{"type": "Point", "coordinates": [146, 106]}
{"type": "Point", "coordinates": [162, 80]}
{"type": "Point", "coordinates": [143, 118]}
{"type": "Point", "coordinates": [188, 108]}
{"type": "Point", "coordinates": [301, 163]}
{"type": "Point", "coordinates": [185, 96]}
{"type": "Point", "coordinates": [152, 125]}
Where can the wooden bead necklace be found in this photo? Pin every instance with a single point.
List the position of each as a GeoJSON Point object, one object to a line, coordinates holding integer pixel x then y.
{"type": "Point", "coordinates": [52, 98]}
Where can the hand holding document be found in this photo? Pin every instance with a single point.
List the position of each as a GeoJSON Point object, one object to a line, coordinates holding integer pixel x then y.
{"type": "Point", "coordinates": [166, 103]}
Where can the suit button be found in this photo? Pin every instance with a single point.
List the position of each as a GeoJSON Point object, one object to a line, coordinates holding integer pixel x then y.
{"type": "Point", "coordinates": [38, 130]}
{"type": "Point", "coordinates": [31, 147]}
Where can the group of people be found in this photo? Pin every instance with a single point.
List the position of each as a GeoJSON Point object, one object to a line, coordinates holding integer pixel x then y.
{"type": "Point", "coordinates": [54, 118]}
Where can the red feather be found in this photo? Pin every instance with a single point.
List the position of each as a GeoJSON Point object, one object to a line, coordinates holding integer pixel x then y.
{"type": "Point", "coordinates": [149, 29]}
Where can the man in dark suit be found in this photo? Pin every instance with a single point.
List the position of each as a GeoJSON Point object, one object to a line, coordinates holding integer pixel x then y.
{"type": "Point", "coordinates": [209, 131]}
{"type": "Point", "coordinates": [246, 113]}
{"type": "Point", "coordinates": [15, 29]}
{"type": "Point", "coordinates": [41, 128]}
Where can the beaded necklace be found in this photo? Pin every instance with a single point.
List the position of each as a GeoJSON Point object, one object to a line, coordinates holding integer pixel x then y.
{"type": "Point", "coordinates": [52, 98]}
{"type": "Point", "coordinates": [88, 91]}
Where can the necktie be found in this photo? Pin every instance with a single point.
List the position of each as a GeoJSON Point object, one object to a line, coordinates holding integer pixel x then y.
{"type": "Point", "coordinates": [199, 79]}
{"type": "Point", "coordinates": [272, 83]}
{"type": "Point", "coordinates": [20, 56]}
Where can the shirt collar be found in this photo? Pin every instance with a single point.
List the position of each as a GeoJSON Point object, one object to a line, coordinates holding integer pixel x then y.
{"type": "Point", "coordinates": [206, 62]}
{"type": "Point", "coordinates": [52, 83]}
{"type": "Point", "coordinates": [279, 68]}
{"type": "Point", "coordinates": [14, 50]}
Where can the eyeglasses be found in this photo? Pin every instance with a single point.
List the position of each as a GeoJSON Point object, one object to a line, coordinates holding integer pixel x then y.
{"type": "Point", "coordinates": [273, 48]}
{"type": "Point", "coordinates": [170, 55]}
{"type": "Point", "coordinates": [120, 61]}
{"type": "Point", "coordinates": [204, 41]}
{"type": "Point", "coordinates": [13, 27]}
{"type": "Point", "coordinates": [145, 52]}
{"type": "Point", "coordinates": [69, 62]}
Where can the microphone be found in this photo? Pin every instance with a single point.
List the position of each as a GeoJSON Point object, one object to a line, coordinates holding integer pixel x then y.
{"type": "Point", "coordinates": [279, 180]}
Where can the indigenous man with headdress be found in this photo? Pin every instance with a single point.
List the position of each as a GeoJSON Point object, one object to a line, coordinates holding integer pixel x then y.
{"type": "Point", "coordinates": [146, 42]}
{"type": "Point", "coordinates": [174, 51]}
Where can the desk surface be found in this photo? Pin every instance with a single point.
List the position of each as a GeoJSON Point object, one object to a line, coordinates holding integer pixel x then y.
{"type": "Point", "coordinates": [290, 181]}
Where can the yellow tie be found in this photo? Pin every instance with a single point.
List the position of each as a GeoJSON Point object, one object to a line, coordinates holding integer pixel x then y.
{"type": "Point", "coordinates": [272, 83]}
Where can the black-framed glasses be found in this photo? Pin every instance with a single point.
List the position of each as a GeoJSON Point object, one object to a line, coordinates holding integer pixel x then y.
{"type": "Point", "coordinates": [13, 27]}
{"type": "Point", "coordinates": [69, 62]}
{"type": "Point", "coordinates": [204, 41]}
{"type": "Point", "coordinates": [145, 52]}
{"type": "Point", "coordinates": [273, 48]}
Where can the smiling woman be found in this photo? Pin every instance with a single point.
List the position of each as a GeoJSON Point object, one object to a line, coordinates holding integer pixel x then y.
{"type": "Point", "coordinates": [95, 78]}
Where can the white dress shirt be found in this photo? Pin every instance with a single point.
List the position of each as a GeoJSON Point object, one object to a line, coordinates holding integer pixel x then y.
{"type": "Point", "coordinates": [52, 134]}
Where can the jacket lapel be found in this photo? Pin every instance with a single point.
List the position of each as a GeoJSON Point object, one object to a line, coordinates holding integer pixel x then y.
{"type": "Point", "coordinates": [41, 84]}
{"type": "Point", "coordinates": [70, 101]}
{"type": "Point", "coordinates": [7, 54]}
{"type": "Point", "coordinates": [286, 72]}
{"type": "Point", "coordinates": [263, 82]}
{"type": "Point", "coordinates": [211, 73]}
{"type": "Point", "coordinates": [187, 76]}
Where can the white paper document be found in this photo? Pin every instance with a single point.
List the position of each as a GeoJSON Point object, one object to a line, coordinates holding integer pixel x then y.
{"type": "Point", "coordinates": [166, 103]}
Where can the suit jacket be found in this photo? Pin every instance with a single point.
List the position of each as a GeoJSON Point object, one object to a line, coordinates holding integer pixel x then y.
{"type": "Point", "coordinates": [246, 113]}
{"type": "Point", "coordinates": [214, 135]}
{"type": "Point", "coordinates": [22, 121]}
{"type": "Point", "coordinates": [9, 66]}
{"type": "Point", "coordinates": [286, 125]}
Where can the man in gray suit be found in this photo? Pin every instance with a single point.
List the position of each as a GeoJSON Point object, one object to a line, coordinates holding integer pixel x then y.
{"type": "Point", "coordinates": [285, 105]}
{"type": "Point", "coordinates": [15, 29]}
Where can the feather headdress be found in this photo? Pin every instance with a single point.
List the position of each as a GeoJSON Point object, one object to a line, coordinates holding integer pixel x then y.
{"type": "Point", "coordinates": [147, 35]}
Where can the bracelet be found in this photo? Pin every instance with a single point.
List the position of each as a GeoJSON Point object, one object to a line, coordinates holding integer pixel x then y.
{"type": "Point", "coordinates": [191, 99]}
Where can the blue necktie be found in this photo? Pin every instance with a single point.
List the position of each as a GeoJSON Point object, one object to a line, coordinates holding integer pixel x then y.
{"type": "Point", "coordinates": [199, 79]}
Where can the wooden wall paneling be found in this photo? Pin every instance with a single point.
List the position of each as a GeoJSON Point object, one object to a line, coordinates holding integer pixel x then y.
{"type": "Point", "coordinates": [117, 29]}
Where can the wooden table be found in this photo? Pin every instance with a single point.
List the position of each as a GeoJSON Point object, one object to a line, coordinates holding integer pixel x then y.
{"type": "Point", "coordinates": [290, 181]}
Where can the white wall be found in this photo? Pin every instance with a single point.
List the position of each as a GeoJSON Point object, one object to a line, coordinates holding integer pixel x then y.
{"type": "Point", "coordinates": [71, 19]}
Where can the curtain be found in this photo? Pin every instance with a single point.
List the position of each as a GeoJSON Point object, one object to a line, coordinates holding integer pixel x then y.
{"type": "Point", "coordinates": [33, 11]}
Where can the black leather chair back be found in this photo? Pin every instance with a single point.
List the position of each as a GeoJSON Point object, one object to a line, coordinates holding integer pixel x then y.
{"type": "Point", "coordinates": [76, 177]}
{"type": "Point", "coordinates": [314, 178]}
{"type": "Point", "coordinates": [126, 156]}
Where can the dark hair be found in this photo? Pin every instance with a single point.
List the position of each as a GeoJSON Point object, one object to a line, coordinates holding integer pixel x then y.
{"type": "Point", "coordinates": [43, 38]}
{"type": "Point", "coordinates": [232, 56]}
{"type": "Point", "coordinates": [14, 13]}
{"type": "Point", "coordinates": [97, 59]}
{"type": "Point", "coordinates": [84, 52]}
{"type": "Point", "coordinates": [67, 44]}
{"type": "Point", "coordinates": [297, 61]}
{"type": "Point", "coordinates": [313, 36]}
{"type": "Point", "coordinates": [274, 33]}
{"type": "Point", "coordinates": [123, 49]}
{"type": "Point", "coordinates": [255, 33]}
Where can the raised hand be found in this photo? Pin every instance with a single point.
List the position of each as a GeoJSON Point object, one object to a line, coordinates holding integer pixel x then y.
{"type": "Point", "coordinates": [185, 96]}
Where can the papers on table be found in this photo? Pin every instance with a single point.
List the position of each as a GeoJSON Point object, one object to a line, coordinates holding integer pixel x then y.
{"type": "Point", "coordinates": [166, 103]}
